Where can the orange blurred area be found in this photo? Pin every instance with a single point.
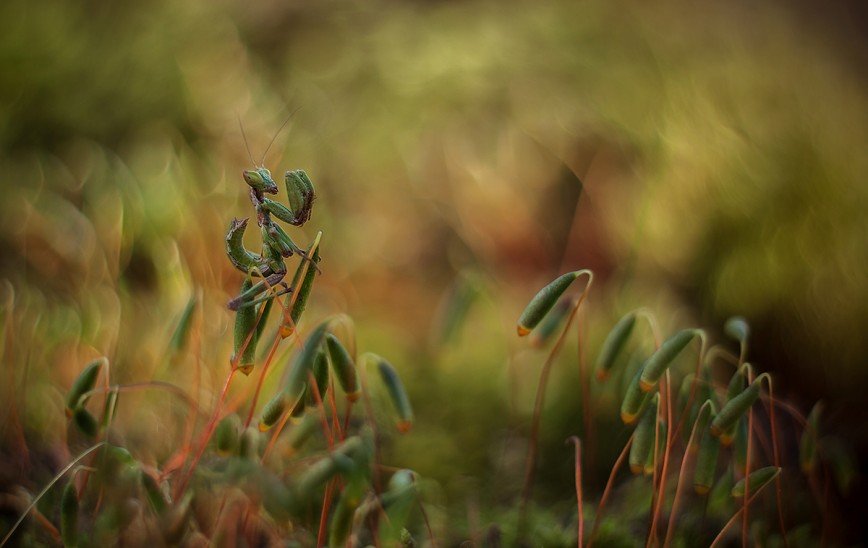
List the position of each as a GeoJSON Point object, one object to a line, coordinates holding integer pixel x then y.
{"type": "Point", "coordinates": [703, 160]}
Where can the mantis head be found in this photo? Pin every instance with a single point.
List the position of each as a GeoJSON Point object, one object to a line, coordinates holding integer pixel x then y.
{"type": "Point", "coordinates": [260, 179]}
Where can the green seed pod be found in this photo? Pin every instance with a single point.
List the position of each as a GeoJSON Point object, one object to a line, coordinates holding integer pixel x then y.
{"type": "Point", "coordinates": [739, 445]}
{"type": "Point", "coordinates": [343, 366]}
{"type": "Point", "coordinates": [756, 481]}
{"type": "Point", "coordinates": [85, 382]}
{"type": "Point", "coordinates": [182, 332]}
{"type": "Point", "coordinates": [543, 301]}
{"type": "Point", "coordinates": [299, 408]}
{"type": "Point", "coordinates": [238, 255]}
{"type": "Point", "coordinates": [69, 515]}
{"type": "Point", "coordinates": [551, 323]}
{"type": "Point", "coordinates": [703, 419]}
{"type": "Point", "coordinates": [245, 320]}
{"type": "Point", "coordinates": [706, 463]}
{"type": "Point", "coordinates": [85, 422]}
{"type": "Point", "coordinates": [643, 438]}
{"type": "Point", "coordinates": [397, 393]}
{"type": "Point", "coordinates": [733, 410]}
{"type": "Point", "coordinates": [260, 180]}
{"type": "Point", "coordinates": [342, 520]}
{"type": "Point", "coordinates": [321, 375]}
{"type": "Point", "coordinates": [300, 192]}
{"type": "Point", "coordinates": [227, 434]}
{"type": "Point", "coordinates": [340, 460]}
{"type": "Point", "coordinates": [272, 411]}
{"type": "Point", "coordinates": [249, 446]}
{"type": "Point", "coordinates": [153, 492]}
{"type": "Point", "coordinates": [306, 285]}
{"type": "Point", "coordinates": [660, 360]}
{"type": "Point", "coordinates": [615, 342]}
{"type": "Point", "coordinates": [635, 400]}
{"type": "Point", "coordinates": [661, 446]}
{"type": "Point", "coordinates": [737, 328]}
{"type": "Point", "coordinates": [174, 523]}
{"type": "Point", "coordinates": [808, 442]}
{"type": "Point", "coordinates": [303, 363]}
{"type": "Point", "coordinates": [302, 431]}
{"type": "Point", "coordinates": [454, 307]}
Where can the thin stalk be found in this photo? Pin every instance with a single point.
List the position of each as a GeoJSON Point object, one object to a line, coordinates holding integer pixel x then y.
{"type": "Point", "coordinates": [745, 502]}
{"type": "Point", "coordinates": [734, 518]}
{"type": "Point", "coordinates": [608, 490]}
{"type": "Point", "coordinates": [661, 493]}
{"type": "Point", "coordinates": [578, 466]}
{"type": "Point", "coordinates": [686, 464]}
{"type": "Point", "coordinates": [51, 483]}
{"type": "Point", "coordinates": [778, 486]}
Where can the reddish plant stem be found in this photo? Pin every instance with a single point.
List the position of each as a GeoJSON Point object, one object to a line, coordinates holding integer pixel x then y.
{"type": "Point", "coordinates": [578, 466]}
{"type": "Point", "coordinates": [608, 490]}
{"type": "Point", "coordinates": [661, 492]}
{"type": "Point", "coordinates": [686, 464]}
{"type": "Point", "coordinates": [733, 519]}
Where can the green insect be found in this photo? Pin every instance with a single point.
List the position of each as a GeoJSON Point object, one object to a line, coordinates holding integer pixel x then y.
{"type": "Point", "coordinates": [276, 243]}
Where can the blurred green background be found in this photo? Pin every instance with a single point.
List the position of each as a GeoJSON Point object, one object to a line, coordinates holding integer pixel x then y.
{"type": "Point", "coordinates": [704, 159]}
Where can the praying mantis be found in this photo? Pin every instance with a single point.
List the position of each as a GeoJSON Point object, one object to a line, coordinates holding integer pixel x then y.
{"type": "Point", "coordinates": [276, 243]}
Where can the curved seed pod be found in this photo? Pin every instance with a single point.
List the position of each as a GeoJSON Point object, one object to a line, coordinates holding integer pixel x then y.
{"type": "Point", "coordinates": [300, 193]}
{"type": "Point", "coordinates": [552, 322]}
{"type": "Point", "coordinates": [643, 438]}
{"type": "Point", "coordinates": [227, 435]}
{"type": "Point", "coordinates": [756, 480]}
{"type": "Point", "coordinates": [260, 180]}
{"type": "Point", "coordinates": [737, 328]}
{"type": "Point", "coordinates": [69, 515]}
{"type": "Point", "coordinates": [634, 400]}
{"type": "Point", "coordinates": [343, 366]}
{"type": "Point", "coordinates": [661, 446]}
{"type": "Point", "coordinates": [660, 360]}
{"type": "Point", "coordinates": [614, 344]}
{"type": "Point", "coordinates": [340, 460]}
{"type": "Point", "coordinates": [706, 464]}
{"type": "Point", "coordinates": [342, 520]}
{"type": "Point", "coordinates": [543, 301]}
{"type": "Point", "coordinates": [174, 523]}
{"type": "Point", "coordinates": [808, 442]}
{"type": "Point", "coordinates": [321, 376]}
{"type": "Point", "coordinates": [703, 419]}
{"type": "Point", "coordinates": [182, 332]}
{"type": "Point", "coordinates": [249, 445]}
{"type": "Point", "coordinates": [301, 432]}
{"type": "Point", "coordinates": [153, 492]}
{"type": "Point", "coordinates": [243, 260]}
{"type": "Point", "coordinates": [306, 284]}
{"type": "Point", "coordinates": [454, 306]}
{"type": "Point", "coordinates": [303, 363]}
{"type": "Point", "coordinates": [85, 382]}
{"type": "Point", "coordinates": [272, 411]}
{"type": "Point", "coordinates": [397, 393]}
{"type": "Point", "coordinates": [733, 410]}
{"type": "Point", "coordinates": [298, 409]}
{"type": "Point", "coordinates": [85, 422]}
{"type": "Point", "coordinates": [245, 320]}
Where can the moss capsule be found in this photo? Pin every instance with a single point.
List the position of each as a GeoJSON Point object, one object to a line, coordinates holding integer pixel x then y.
{"type": "Point", "coordinates": [663, 357]}
{"type": "Point", "coordinates": [397, 393]}
{"type": "Point", "coordinates": [614, 344]}
{"type": "Point", "coordinates": [84, 383]}
{"type": "Point", "coordinates": [543, 302]}
{"type": "Point", "coordinates": [343, 367]}
{"type": "Point", "coordinates": [756, 481]}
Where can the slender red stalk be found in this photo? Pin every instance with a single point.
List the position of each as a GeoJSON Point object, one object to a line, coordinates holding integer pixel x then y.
{"type": "Point", "coordinates": [581, 512]}
{"type": "Point", "coordinates": [608, 490]}
{"type": "Point", "coordinates": [661, 493]}
{"type": "Point", "coordinates": [733, 519]}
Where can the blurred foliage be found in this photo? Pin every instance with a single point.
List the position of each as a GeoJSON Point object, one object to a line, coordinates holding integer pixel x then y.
{"type": "Point", "coordinates": [703, 160]}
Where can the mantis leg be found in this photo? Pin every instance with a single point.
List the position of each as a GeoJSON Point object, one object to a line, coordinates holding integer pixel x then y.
{"type": "Point", "coordinates": [256, 289]}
